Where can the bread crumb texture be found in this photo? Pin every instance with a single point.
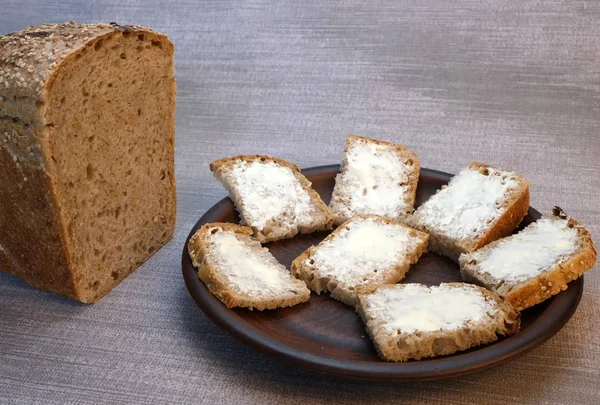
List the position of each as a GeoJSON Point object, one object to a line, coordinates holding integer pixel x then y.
{"type": "Point", "coordinates": [87, 141]}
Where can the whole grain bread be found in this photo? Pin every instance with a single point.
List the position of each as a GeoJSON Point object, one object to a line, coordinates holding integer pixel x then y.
{"type": "Point", "coordinates": [240, 272]}
{"type": "Point", "coordinates": [480, 205]}
{"type": "Point", "coordinates": [413, 321]}
{"type": "Point", "coordinates": [86, 154]}
{"type": "Point", "coordinates": [366, 249]}
{"type": "Point", "coordinates": [529, 267]}
{"type": "Point", "coordinates": [272, 196]}
{"type": "Point", "coordinates": [376, 178]}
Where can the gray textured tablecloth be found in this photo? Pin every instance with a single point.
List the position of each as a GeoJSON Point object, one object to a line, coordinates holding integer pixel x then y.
{"type": "Point", "coordinates": [510, 83]}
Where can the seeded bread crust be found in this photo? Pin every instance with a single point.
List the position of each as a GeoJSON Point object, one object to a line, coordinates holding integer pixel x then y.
{"type": "Point", "coordinates": [218, 285]}
{"type": "Point", "coordinates": [338, 289]}
{"type": "Point", "coordinates": [323, 220]}
{"type": "Point", "coordinates": [29, 59]}
{"type": "Point", "coordinates": [339, 198]}
{"type": "Point", "coordinates": [37, 243]}
{"type": "Point", "coordinates": [420, 345]}
{"type": "Point", "coordinates": [531, 292]}
{"type": "Point", "coordinates": [517, 202]}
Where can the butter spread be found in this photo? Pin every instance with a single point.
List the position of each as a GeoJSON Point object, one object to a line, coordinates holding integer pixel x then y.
{"type": "Point", "coordinates": [375, 179]}
{"type": "Point", "coordinates": [367, 245]}
{"type": "Point", "coordinates": [248, 270]}
{"type": "Point", "coordinates": [418, 308]}
{"type": "Point", "coordinates": [268, 191]}
{"type": "Point", "coordinates": [534, 250]}
{"type": "Point", "coordinates": [469, 204]}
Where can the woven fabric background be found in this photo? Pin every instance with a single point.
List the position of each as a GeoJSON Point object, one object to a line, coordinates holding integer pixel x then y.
{"type": "Point", "coordinates": [511, 83]}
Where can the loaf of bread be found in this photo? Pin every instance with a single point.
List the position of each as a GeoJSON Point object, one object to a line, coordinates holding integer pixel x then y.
{"type": "Point", "coordinates": [413, 321]}
{"type": "Point", "coordinates": [376, 178]}
{"type": "Point", "coordinates": [272, 197]}
{"type": "Point", "coordinates": [240, 272]}
{"type": "Point", "coordinates": [533, 265]}
{"type": "Point", "coordinates": [86, 154]}
{"type": "Point", "coordinates": [367, 249]}
{"type": "Point", "coordinates": [480, 205]}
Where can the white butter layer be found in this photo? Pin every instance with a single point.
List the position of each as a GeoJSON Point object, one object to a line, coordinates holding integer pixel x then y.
{"type": "Point", "coordinates": [248, 271]}
{"type": "Point", "coordinates": [354, 254]}
{"type": "Point", "coordinates": [418, 308]}
{"type": "Point", "coordinates": [375, 180]}
{"type": "Point", "coordinates": [469, 204]}
{"type": "Point", "coordinates": [534, 250]}
{"type": "Point", "coordinates": [269, 190]}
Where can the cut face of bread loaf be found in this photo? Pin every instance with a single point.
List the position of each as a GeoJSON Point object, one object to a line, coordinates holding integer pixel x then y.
{"type": "Point", "coordinates": [376, 178]}
{"type": "Point", "coordinates": [240, 272]}
{"type": "Point", "coordinates": [413, 321]}
{"type": "Point", "coordinates": [272, 197]}
{"type": "Point", "coordinates": [367, 249]}
{"type": "Point", "coordinates": [534, 264]}
{"type": "Point", "coordinates": [479, 205]}
{"type": "Point", "coordinates": [86, 154]}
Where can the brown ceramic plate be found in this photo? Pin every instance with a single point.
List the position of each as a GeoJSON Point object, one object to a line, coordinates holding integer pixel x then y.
{"type": "Point", "coordinates": [327, 336]}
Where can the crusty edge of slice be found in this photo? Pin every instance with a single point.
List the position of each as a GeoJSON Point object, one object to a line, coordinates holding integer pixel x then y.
{"type": "Point", "coordinates": [413, 179]}
{"type": "Point", "coordinates": [217, 164]}
{"type": "Point", "coordinates": [513, 216]}
{"type": "Point", "coordinates": [322, 208]}
{"type": "Point", "coordinates": [438, 343]}
{"type": "Point", "coordinates": [538, 289]}
{"type": "Point", "coordinates": [218, 286]}
{"type": "Point", "coordinates": [336, 288]}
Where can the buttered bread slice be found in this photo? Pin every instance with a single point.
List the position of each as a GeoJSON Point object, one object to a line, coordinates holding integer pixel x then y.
{"type": "Point", "coordinates": [272, 197]}
{"type": "Point", "coordinates": [534, 264]}
{"type": "Point", "coordinates": [480, 205]}
{"type": "Point", "coordinates": [376, 178]}
{"type": "Point", "coordinates": [240, 272]}
{"type": "Point", "coordinates": [367, 249]}
{"type": "Point", "coordinates": [413, 321]}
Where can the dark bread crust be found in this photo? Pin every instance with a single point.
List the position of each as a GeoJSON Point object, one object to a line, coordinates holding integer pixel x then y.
{"type": "Point", "coordinates": [438, 343]}
{"type": "Point", "coordinates": [538, 289]}
{"type": "Point", "coordinates": [401, 150]}
{"type": "Point", "coordinates": [322, 209]}
{"type": "Point", "coordinates": [218, 285]}
{"type": "Point", "coordinates": [32, 246]}
{"type": "Point", "coordinates": [25, 89]}
{"type": "Point", "coordinates": [337, 288]}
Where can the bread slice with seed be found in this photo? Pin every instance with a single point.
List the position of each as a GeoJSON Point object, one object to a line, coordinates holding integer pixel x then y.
{"type": "Point", "coordinates": [480, 205]}
{"type": "Point", "coordinates": [376, 178]}
{"type": "Point", "coordinates": [240, 272]}
{"type": "Point", "coordinates": [367, 249]}
{"type": "Point", "coordinates": [534, 264]}
{"type": "Point", "coordinates": [272, 197]}
{"type": "Point", "coordinates": [413, 321]}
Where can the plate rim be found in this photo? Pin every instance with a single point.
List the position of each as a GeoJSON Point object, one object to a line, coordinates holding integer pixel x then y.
{"type": "Point", "coordinates": [538, 332]}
